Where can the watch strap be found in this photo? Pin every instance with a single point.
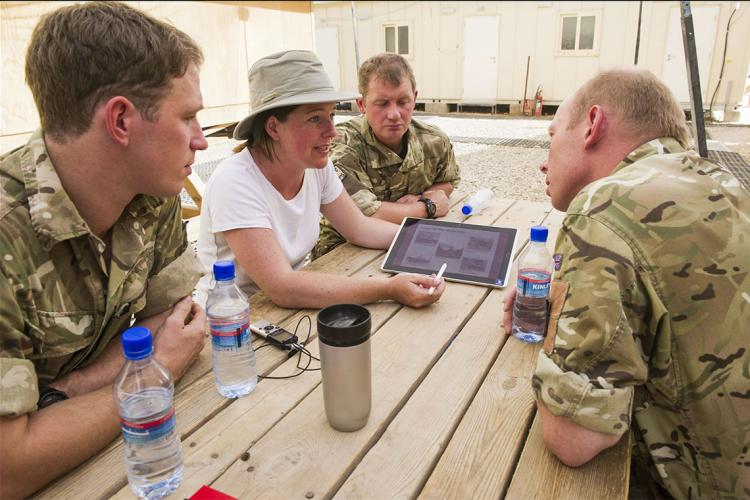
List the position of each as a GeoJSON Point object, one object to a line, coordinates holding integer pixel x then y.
{"type": "Point", "coordinates": [49, 396]}
{"type": "Point", "coordinates": [429, 206]}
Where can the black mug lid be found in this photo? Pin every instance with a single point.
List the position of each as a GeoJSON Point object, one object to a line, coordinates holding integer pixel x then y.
{"type": "Point", "coordinates": [344, 325]}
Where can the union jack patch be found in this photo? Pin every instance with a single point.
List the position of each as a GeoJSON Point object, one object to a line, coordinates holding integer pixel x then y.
{"type": "Point", "coordinates": [339, 172]}
{"type": "Point", "coordinates": [558, 261]}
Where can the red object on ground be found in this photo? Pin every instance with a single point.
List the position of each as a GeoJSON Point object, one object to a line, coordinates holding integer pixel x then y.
{"type": "Point", "coordinates": [208, 493]}
{"type": "Point", "coordinates": [539, 99]}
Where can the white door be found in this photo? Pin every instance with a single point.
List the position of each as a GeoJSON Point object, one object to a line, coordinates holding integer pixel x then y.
{"type": "Point", "coordinates": [674, 72]}
{"type": "Point", "coordinates": [480, 58]}
{"type": "Point", "coordinates": [327, 49]}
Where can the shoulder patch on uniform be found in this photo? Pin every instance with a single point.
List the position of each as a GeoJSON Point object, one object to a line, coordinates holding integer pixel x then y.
{"type": "Point", "coordinates": [558, 258]}
{"type": "Point", "coordinates": [339, 172]}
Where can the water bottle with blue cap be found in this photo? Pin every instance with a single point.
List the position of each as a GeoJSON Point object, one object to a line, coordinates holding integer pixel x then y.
{"type": "Point", "coordinates": [534, 278]}
{"type": "Point", "coordinates": [143, 391]}
{"type": "Point", "coordinates": [476, 202]}
{"type": "Point", "coordinates": [233, 358]}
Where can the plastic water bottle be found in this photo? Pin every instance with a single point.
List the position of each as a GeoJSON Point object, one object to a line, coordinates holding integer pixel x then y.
{"type": "Point", "coordinates": [228, 313]}
{"type": "Point", "coordinates": [143, 392]}
{"type": "Point", "coordinates": [476, 202]}
{"type": "Point", "coordinates": [534, 276]}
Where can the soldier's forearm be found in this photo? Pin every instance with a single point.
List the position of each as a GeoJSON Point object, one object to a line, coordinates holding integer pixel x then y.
{"type": "Point", "coordinates": [395, 212]}
{"type": "Point", "coordinates": [98, 374]}
{"type": "Point", "coordinates": [40, 446]}
{"type": "Point", "coordinates": [445, 187]}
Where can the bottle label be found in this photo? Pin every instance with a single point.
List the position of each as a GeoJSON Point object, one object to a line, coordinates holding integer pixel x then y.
{"type": "Point", "coordinates": [230, 336]}
{"type": "Point", "coordinates": [142, 432]}
{"type": "Point", "coordinates": [534, 283]}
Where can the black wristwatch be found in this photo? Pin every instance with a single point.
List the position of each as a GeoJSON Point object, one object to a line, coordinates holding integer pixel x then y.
{"type": "Point", "coordinates": [49, 396]}
{"type": "Point", "coordinates": [429, 205]}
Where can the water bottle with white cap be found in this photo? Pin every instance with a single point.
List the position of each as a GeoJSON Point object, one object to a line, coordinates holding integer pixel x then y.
{"type": "Point", "coordinates": [476, 202]}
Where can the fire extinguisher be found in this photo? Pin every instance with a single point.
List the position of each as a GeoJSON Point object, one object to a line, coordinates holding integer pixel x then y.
{"type": "Point", "coordinates": [538, 98]}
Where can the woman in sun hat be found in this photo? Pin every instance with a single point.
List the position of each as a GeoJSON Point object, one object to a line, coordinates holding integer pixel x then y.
{"type": "Point", "coordinates": [261, 207]}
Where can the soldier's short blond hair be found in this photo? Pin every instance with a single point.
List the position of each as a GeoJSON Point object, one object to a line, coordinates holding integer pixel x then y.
{"type": "Point", "coordinates": [645, 105]}
{"type": "Point", "coordinates": [83, 54]}
{"type": "Point", "coordinates": [388, 67]}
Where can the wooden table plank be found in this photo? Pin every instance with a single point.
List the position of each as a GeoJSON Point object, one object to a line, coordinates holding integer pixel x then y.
{"type": "Point", "coordinates": [544, 476]}
{"type": "Point", "coordinates": [482, 453]}
{"type": "Point", "coordinates": [303, 454]}
{"type": "Point", "coordinates": [194, 405]}
{"type": "Point", "coordinates": [203, 462]}
{"type": "Point", "coordinates": [481, 456]}
{"type": "Point", "coordinates": [346, 260]}
{"type": "Point", "coordinates": [105, 472]}
{"type": "Point", "coordinates": [398, 465]}
{"type": "Point", "coordinates": [214, 446]}
{"type": "Point", "coordinates": [277, 442]}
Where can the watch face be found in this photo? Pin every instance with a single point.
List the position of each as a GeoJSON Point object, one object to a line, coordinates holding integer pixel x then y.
{"type": "Point", "coordinates": [430, 209]}
{"type": "Point", "coordinates": [50, 396]}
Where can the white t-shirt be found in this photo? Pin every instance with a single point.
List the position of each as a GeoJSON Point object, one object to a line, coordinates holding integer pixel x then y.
{"type": "Point", "coordinates": [238, 195]}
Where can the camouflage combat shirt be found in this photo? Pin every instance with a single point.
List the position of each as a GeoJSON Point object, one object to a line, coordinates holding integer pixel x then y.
{"type": "Point", "coordinates": [61, 301]}
{"type": "Point", "coordinates": [655, 324]}
{"type": "Point", "coordinates": [372, 173]}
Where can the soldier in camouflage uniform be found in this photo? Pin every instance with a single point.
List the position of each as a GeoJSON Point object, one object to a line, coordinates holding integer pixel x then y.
{"type": "Point", "coordinates": [91, 236]}
{"type": "Point", "coordinates": [650, 313]}
{"type": "Point", "coordinates": [391, 165]}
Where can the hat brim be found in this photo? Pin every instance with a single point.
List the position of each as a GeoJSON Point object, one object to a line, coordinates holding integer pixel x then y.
{"type": "Point", "coordinates": [243, 128]}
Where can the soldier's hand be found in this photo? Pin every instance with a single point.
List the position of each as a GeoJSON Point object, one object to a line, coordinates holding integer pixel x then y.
{"type": "Point", "coordinates": [180, 338]}
{"type": "Point", "coordinates": [413, 289]}
{"type": "Point", "coordinates": [508, 301]}
{"type": "Point", "coordinates": [440, 199]}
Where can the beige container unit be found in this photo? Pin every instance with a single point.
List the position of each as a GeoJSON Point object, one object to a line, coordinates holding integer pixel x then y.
{"type": "Point", "coordinates": [568, 42]}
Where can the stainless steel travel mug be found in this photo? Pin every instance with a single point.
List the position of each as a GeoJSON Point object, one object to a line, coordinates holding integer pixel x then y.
{"type": "Point", "coordinates": [344, 338]}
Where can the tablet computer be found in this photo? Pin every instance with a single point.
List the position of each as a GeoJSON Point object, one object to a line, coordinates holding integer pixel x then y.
{"type": "Point", "coordinates": [476, 254]}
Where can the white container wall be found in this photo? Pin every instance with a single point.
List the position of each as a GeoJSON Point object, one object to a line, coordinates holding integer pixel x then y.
{"type": "Point", "coordinates": [476, 52]}
{"type": "Point", "coordinates": [233, 35]}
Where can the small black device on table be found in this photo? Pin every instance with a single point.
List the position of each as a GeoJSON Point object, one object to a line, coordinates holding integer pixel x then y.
{"type": "Point", "coordinates": [276, 335]}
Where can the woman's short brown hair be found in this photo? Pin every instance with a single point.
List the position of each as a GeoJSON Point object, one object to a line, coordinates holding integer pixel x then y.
{"type": "Point", "coordinates": [259, 138]}
{"type": "Point", "coordinates": [82, 54]}
{"type": "Point", "coordinates": [646, 106]}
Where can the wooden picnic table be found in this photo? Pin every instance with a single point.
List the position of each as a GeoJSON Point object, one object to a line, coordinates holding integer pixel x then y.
{"type": "Point", "coordinates": [452, 414]}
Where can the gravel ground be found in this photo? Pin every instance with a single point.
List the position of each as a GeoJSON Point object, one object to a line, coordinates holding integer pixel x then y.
{"type": "Point", "coordinates": [511, 172]}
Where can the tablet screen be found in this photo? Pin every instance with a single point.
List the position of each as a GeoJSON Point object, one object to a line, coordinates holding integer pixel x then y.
{"type": "Point", "coordinates": [473, 253]}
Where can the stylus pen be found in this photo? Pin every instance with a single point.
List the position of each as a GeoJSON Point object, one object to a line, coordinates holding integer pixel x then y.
{"type": "Point", "coordinates": [439, 275]}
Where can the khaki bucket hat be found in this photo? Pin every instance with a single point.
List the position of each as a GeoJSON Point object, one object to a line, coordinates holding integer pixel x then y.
{"type": "Point", "coordinates": [288, 78]}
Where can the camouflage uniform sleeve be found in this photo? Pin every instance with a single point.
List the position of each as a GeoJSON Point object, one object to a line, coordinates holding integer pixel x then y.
{"type": "Point", "coordinates": [350, 168]}
{"type": "Point", "coordinates": [18, 381]}
{"type": "Point", "coordinates": [447, 170]}
{"type": "Point", "coordinates": [589, 376]}
{"type": "Point", "coordinates": [176, 269]}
